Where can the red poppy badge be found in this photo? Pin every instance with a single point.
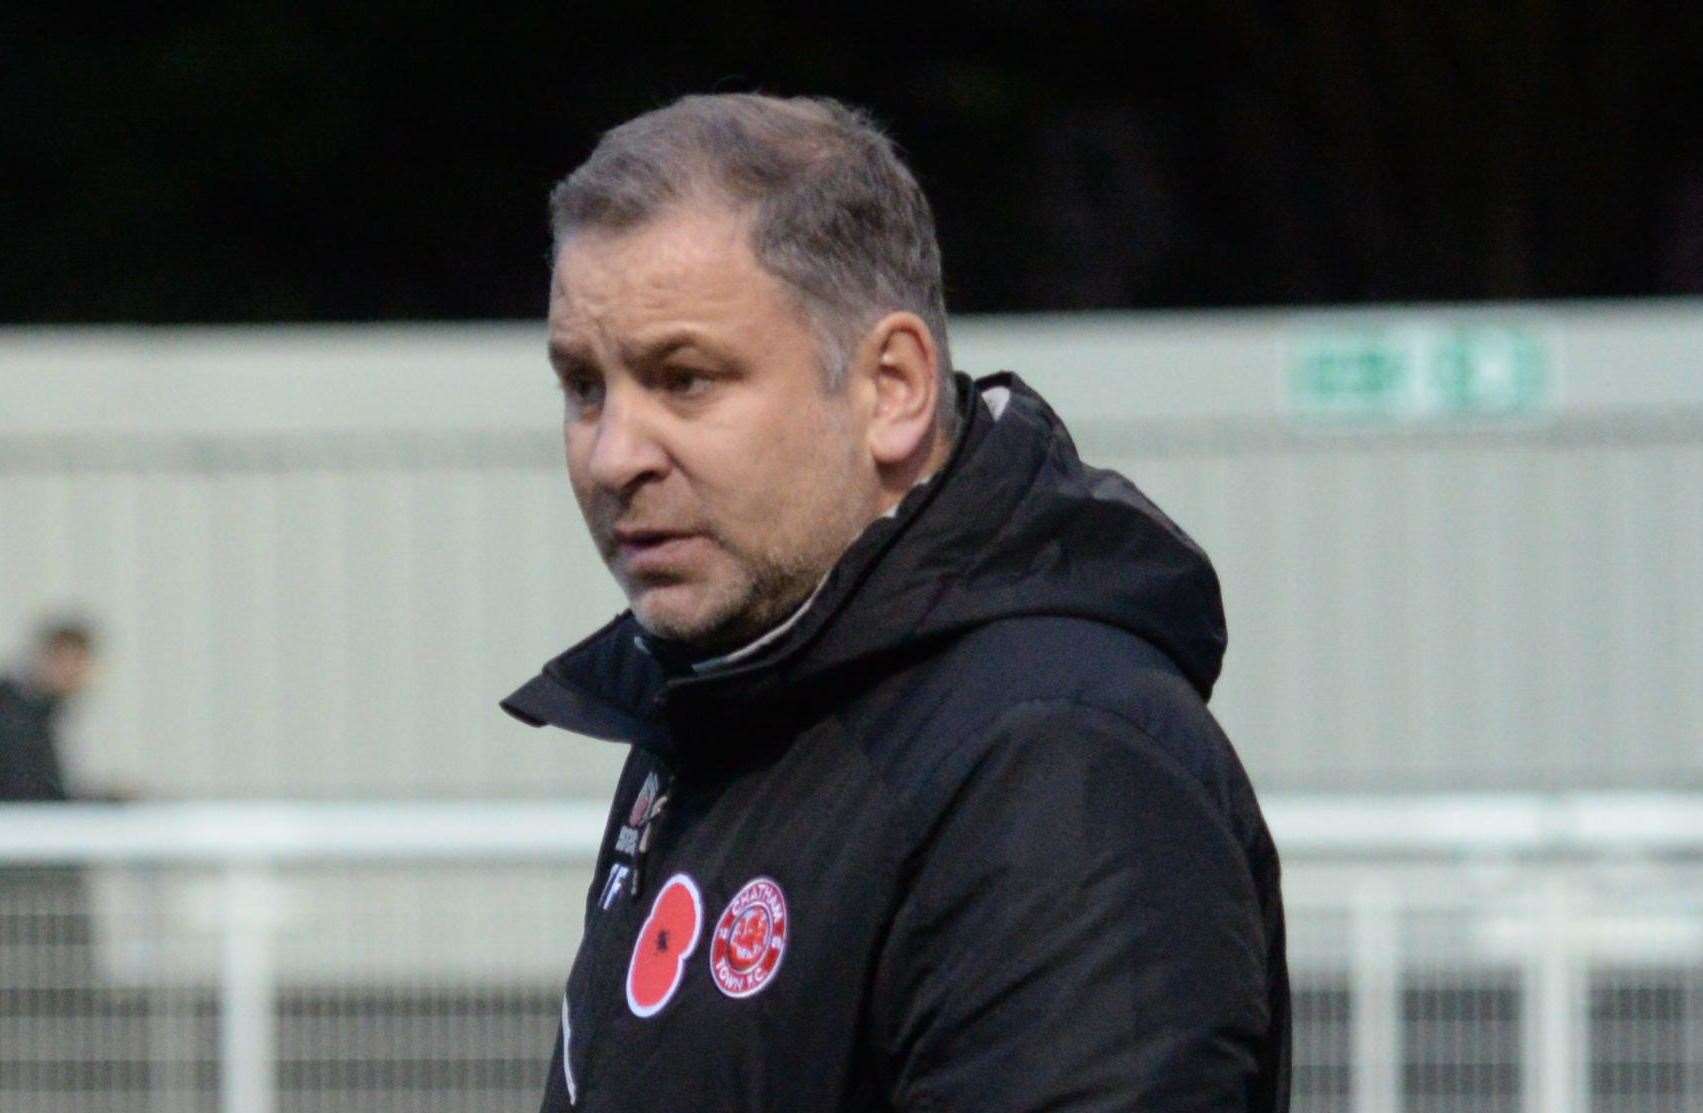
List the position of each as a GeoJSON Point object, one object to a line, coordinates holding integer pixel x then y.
{"type": "Point", "coordinates": [665, 942]}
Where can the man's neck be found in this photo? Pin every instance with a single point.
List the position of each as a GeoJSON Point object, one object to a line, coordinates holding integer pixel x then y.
{"type": "Point", "coordinates": [763, 641]}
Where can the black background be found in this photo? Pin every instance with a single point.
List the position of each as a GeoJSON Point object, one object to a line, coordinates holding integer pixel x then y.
{"type": "Point", "coordinates": [381, 160]}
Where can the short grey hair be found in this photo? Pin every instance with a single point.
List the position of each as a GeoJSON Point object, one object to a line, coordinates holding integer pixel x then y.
{"type": "Point", "coordinates": [837, 215]}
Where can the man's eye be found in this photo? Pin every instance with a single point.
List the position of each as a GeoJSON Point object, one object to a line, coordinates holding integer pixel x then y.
{"type": "Point", "coordinates": [684, 381]}
{"type": "Point", "coordinates": [582, 390]}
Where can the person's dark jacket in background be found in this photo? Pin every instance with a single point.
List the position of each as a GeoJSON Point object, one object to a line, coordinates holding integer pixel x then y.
{"type": "Point", "coordinates": [29, 756]}
{"type": "Point", "coordinates": [39, 903]}
{"type": "Point", "coordinates": [1018, 862]}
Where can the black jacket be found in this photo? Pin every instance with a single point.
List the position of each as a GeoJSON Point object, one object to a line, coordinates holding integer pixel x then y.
{"type": "Point", "coordinates": [965, 838]}
{"type": "Point", "coordinates": [29, 760]}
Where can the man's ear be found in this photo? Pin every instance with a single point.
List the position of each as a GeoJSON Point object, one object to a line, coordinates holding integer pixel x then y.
{"type": "Point", "coordinates": [905, 376]}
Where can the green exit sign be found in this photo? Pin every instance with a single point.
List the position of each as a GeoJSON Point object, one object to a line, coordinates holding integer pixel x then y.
{"type": "Point", "coordinates": [1420, 372]}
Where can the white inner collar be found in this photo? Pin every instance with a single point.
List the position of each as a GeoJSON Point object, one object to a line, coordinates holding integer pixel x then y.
{"type": "Point", "coordinates": [750, 648]}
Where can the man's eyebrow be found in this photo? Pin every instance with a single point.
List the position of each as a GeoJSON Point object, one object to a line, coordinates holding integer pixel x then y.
{"type": "Point", "coordinates": [660, 347]}
{"type": "Point", "coordinates": [568, 356]}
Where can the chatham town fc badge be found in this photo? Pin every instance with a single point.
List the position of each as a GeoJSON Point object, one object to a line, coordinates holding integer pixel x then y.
{"type": "Point", "coordinates": [750, 939]}
{"type": "Point", "coordinates": [667, 940]}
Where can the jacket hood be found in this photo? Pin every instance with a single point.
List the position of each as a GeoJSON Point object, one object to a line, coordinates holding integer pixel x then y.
{"type": "Point", "coordinates": [1015, 524]}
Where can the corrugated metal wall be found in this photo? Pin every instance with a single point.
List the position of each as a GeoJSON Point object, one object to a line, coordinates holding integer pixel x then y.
{"type": "Point", "coordinates": [1474, 611]}
{"type": "Point", "coordinates": [310, 591]}
{"type": "Point", "coordinates": [312, 618]}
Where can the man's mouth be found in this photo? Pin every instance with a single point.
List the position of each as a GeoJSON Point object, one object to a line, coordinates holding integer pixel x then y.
{"type": "Point", "coordinates": [652, 550]}
{"type": "Point", "coordinates": [630, 535]}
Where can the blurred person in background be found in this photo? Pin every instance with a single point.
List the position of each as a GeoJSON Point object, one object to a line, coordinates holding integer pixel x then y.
{"type": "Point", "coordinates": [44, 904]}
{"type": "Point", "coordinates": [924, 807]}
{"type": "Point", "coordinates": [59, 667]}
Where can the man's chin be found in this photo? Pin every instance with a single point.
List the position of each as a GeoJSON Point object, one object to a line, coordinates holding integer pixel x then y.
{"type": "Point", "coordinates": [679, 613]}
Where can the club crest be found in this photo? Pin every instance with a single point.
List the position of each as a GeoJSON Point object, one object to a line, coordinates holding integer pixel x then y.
{"type": "Point", "coordinates": [750, 939]}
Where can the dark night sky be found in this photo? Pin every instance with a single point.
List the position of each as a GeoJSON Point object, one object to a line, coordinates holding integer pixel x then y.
{"type": "Point", "coordinates": [264, 161]}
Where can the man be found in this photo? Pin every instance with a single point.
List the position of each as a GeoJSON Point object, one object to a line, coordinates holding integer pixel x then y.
{"type": "Point", "coordinates": [61, 663]}
{"type": "Point", "coordinates": [924, 809]}
{"type": "Point", "coordinates": [43, 903]}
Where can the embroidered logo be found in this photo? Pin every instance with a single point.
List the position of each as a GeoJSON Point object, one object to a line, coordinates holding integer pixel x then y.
{"type": "Point", "coordinates": [665, 942]}
{"type": "Point", "coordinates": [642, 803]}
{"type": "Point", "coordinates": [750, 939]}
{"type": "Point", "coordinates": [645, 808]}
{"type": "Point", "coordinates": [618, 875]}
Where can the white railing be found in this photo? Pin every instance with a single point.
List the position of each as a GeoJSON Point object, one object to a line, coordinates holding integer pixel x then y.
{"type": "Point", "coordinates": [286, 833]}
{"type": "Point", "coordinates": [1557, 900]}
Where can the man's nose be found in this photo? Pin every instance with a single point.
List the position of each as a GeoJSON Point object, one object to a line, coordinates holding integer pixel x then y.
{"type": "Point", "coordinates": [625, 449]}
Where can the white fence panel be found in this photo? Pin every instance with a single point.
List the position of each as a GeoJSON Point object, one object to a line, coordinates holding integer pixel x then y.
{"type": "Point", "coordinates": [1449, 955]}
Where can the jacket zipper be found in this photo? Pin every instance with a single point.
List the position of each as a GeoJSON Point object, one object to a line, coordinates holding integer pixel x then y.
{"type": "Point", "coordinates": [603, 955]}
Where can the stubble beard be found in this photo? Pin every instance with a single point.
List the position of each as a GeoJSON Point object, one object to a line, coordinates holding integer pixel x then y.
{"type": "Point", "coordinates": [770, 581]}
{"type": "Point", "coordinates": [767, 589]}
{"type": "Point", "coordinates": [765, 585]}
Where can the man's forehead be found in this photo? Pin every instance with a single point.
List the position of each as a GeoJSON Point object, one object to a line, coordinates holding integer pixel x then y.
{"type": "Point", "coordinates": [642, 273]}
{"type": "Point", "coordinates": [685, 267]}
{"type": "Point", "coordinates": [675, 242]}
{"type": "Point", "coordinates": [581, 330]}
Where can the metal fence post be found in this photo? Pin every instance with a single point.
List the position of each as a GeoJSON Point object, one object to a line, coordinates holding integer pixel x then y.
{"type": "Point", "coordinates": [1375, 998]}
{"type": "Point", "coordinates": [247, 993]}
{"type": "Point", "coordinates": [1555, 1003]}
